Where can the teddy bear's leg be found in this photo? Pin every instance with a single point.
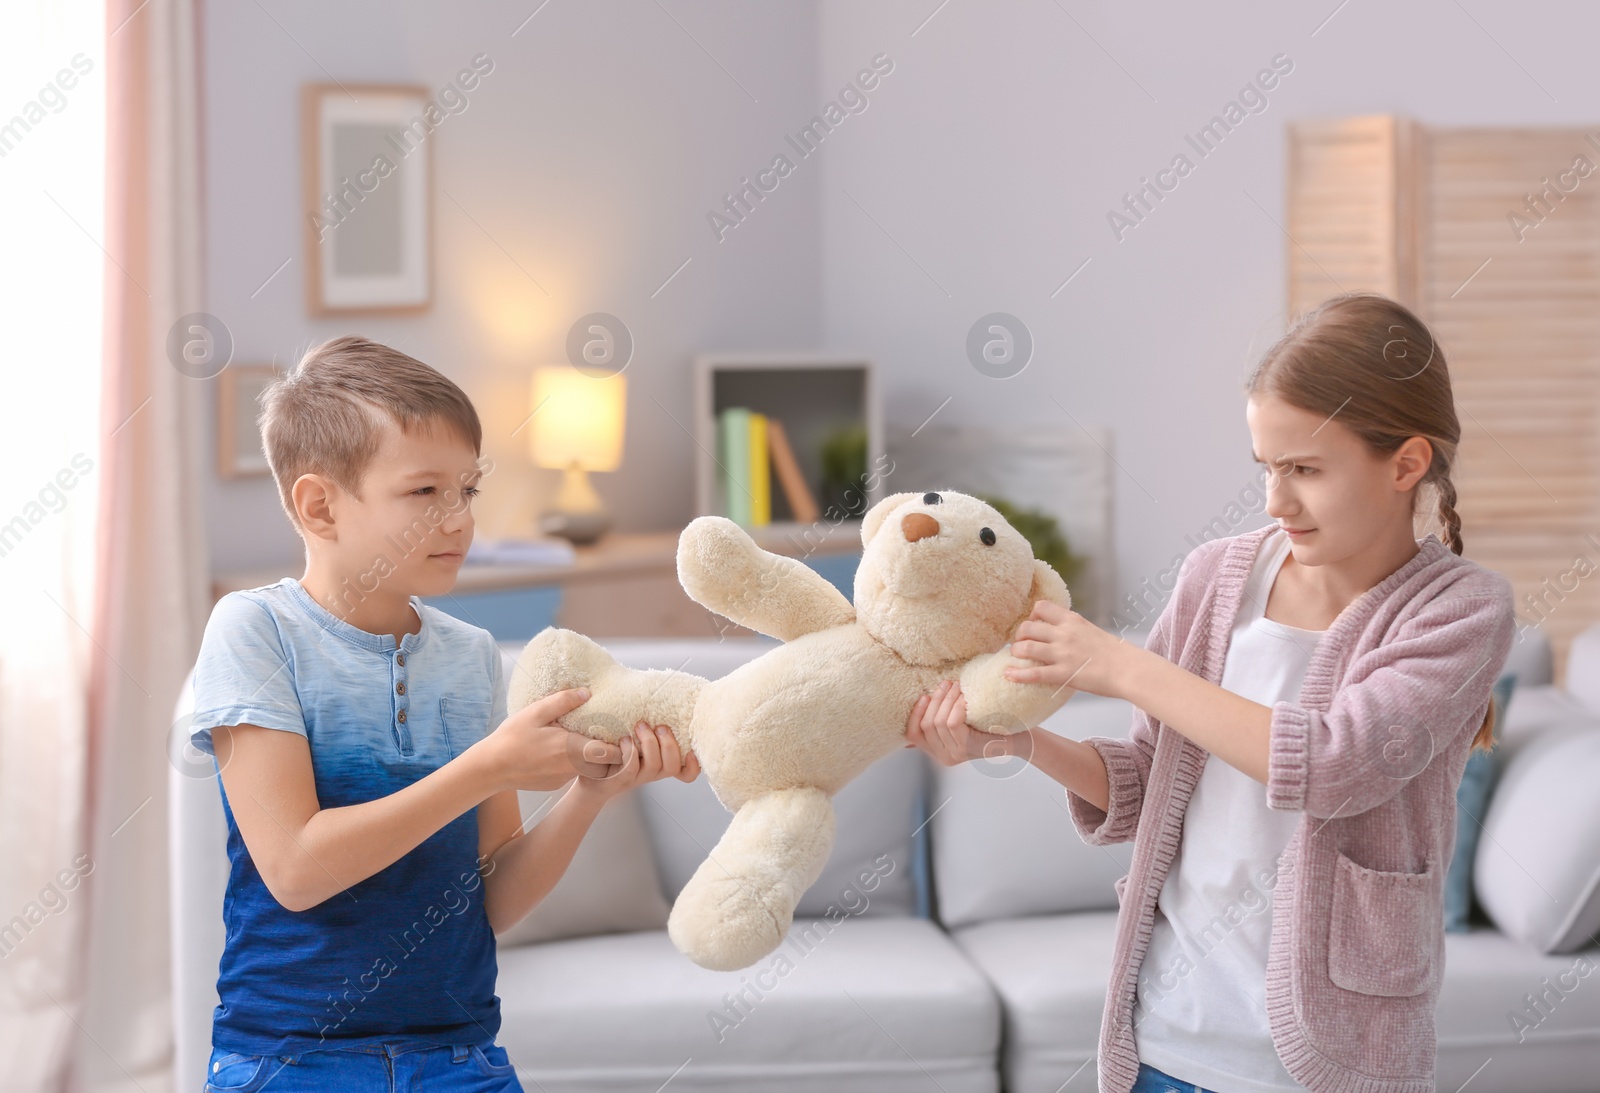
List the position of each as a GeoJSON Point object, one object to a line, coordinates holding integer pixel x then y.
{"type": "Point", "coordinates": [620, 697]}
{"type": "Point", "coordinates": [739, 904]}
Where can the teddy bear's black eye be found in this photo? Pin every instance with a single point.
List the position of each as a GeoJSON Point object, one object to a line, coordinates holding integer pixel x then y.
{"type": "Point", "coordinates": [931, 499]}
{"type": "Point", "coordinates": [987, 536]}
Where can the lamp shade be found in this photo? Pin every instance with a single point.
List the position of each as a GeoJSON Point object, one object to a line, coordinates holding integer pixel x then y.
{"type": "Point", "coordinates": [578, 419]}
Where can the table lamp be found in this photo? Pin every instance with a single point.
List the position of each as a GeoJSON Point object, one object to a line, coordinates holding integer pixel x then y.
{"type": "Point", "coordinates": [576, 428]}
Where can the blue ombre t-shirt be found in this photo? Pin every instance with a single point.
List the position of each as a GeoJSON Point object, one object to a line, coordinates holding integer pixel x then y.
{"type": "Point", "coordinates": [408, 952]}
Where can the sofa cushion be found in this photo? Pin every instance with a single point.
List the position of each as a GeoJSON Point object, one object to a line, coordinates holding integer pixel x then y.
{"type": "Point", "coordinates": [1531, 660]}
{"type": "Point", "coordinates": [875, 817]}
{"type": "Point", "coordinates": [1583, 669]}
{"type": "Point", "coordinates": [1003, 841]}
{"type": "Point", "coordinates": [854, 1004]}
{"type": "Point", "coordinates": [709, 658]}
{"type": "Point", "coordinates": [1472, 802]}
{"type": "Point", "coordinates": [1532, 711]}
{"type": "Point", "coordinates": [611, 885]}
{"type": "Point", "coordinates": [1051, 973]}
{"type": "Point", "coordinates": [1548, 1042]}
{"type": "Point", "coordinates": [1538, 865]}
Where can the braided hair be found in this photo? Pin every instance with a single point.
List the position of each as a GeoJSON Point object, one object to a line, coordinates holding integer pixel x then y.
{"type": "Point", "coordinates": [1372, 362]}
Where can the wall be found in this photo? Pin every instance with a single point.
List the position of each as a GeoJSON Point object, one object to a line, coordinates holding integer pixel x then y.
{"type": "Point", "coordinates": [981, 178]}
{"type": "Point", "coordinates": [586, 161]}
{"type": "Point", "coordinates": [978, 178]}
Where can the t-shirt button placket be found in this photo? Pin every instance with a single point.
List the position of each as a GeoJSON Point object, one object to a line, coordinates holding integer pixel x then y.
{"type": "Point", "coordinates": [402, 734]}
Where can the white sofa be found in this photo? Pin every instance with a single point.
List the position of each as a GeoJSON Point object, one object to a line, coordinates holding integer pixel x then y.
{"type": "Point", "coordinates": [1002, 987]}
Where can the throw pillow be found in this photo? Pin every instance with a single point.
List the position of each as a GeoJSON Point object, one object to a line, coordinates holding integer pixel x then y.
{"type": "Point", "coordinates": [1538, 867]}
{"type": "Point", "coordinates": [1472, 801]}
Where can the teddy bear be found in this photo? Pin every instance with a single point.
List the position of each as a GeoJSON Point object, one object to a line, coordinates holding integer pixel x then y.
{"type": "Point", "coordinates": [941, 586]}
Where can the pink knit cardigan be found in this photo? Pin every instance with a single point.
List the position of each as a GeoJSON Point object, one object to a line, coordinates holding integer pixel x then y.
{"type": "Point", "coordinates": [1371, 755]}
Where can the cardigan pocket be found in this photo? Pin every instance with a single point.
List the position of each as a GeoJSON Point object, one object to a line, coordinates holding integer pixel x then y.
{"type": "Point", "coordinates": [1381, 939]}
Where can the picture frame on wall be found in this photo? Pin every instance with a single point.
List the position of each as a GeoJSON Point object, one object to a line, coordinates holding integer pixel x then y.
{"type": "Point", "coordinates": [367, 180]}
{"type": "Point", "coordinates": [239, 389]}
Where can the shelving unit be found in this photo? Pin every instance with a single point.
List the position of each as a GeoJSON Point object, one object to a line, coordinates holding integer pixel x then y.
{"type": "Point", "coordinates": [811, 394]}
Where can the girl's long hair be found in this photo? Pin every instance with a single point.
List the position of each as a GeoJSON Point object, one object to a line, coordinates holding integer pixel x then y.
{"type": "Point", "coordinates": [1372, 362]}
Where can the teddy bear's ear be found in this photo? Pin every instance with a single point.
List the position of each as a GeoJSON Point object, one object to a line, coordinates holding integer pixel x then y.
{"type": "Point", "coordinates": [875, 516]}
{"type": "Point", "coordinates": [1048, 585]}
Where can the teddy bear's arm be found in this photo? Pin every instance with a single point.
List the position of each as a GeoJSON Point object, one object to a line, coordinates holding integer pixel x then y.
{"type": "Point", "coordinates": [999, 705]}
{"type": "Point", "coordinates": [724, 570]}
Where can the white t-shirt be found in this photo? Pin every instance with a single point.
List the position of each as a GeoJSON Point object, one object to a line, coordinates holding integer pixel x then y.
{"type": "Point", "coordinates": [1200, 1007]}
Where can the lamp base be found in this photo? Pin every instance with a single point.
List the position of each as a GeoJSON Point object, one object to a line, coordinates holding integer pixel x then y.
{"type": "Point", "coordinates": [578, 527]}
{"type": "Point", "coordinates": [578, 514]}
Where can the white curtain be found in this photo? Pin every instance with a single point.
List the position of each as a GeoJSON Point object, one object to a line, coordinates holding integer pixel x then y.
{"type": "Point", "coordinates": [52, 180]}
{"type": "Point", "coordinates": [105, 598]}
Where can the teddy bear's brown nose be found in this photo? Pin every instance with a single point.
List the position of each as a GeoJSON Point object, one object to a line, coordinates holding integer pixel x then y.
{"type": "Point", "coordinates": [918, 525]}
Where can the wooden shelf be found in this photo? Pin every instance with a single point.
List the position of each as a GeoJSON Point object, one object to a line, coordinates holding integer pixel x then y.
{"type": "Point", "coordinates": [625, 585]}
{"type": "Point", "coordinates": [811, 394]}
{"type": "Point", "coordinates": [616, 554]}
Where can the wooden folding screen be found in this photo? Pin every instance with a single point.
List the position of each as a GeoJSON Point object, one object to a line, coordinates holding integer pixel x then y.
{"type": "Point", "coordinates": [1492, 236]}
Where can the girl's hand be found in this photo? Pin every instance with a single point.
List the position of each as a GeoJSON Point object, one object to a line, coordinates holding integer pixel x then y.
{"type": "Point", "coordinates": [938, 725]}
{"type": "Point", "coordinates": [1068, 649]}
{"type": "Point", "coordinates": [649, 754]}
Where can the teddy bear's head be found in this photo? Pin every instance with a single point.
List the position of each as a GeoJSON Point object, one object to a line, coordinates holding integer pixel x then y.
{"type": "Point", "coordinates": [943, 577]}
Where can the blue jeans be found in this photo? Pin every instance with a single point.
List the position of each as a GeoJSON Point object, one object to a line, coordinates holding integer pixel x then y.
{"type": "Point", "coordinates": [1151, 1080]}
{"type": "Point", "coordinates": [378, 1068]}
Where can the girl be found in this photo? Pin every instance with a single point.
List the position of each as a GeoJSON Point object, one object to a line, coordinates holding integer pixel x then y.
{"type": "Point", "coordinates": [1303, 710]}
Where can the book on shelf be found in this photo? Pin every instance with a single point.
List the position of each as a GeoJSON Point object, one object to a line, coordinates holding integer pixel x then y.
{"type": "Point", "coordinates": [733, 435]}
{"type": "Point", "coordinates": [751, 448]}
{"type": "Point", "coordinates": [760, 473]}
{"type": "Point", "coordinates": [801, 502]}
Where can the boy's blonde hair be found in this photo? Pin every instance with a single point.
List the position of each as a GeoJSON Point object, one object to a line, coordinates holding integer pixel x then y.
{"type": "Point", "coordinates": [323, 417]}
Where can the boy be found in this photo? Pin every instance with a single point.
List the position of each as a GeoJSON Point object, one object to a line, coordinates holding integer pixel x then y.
{"type": "Point", "coordinates": [374, 834]}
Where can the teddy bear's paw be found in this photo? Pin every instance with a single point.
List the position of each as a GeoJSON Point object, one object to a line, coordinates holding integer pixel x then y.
{"type": "Point", "coordinates": [723, 924]}
{"type": "Point", "coordinates": [716, 561]}
{"type": "Point", "coordinates": [739, 904]}
{"type": "Point", "coordinates": [553, 661]}
{"type": "Point", "coordinates": [1001, 706]}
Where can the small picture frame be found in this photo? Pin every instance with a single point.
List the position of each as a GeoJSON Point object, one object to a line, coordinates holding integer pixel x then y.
{"type": "Point", "coordinates": [366, 190]}
{"type": "Point", "coordinates": [239, 389]}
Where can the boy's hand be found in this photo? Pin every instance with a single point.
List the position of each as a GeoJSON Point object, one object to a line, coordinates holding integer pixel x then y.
{"type": "Point", "coordinates": [938, 725]}
{"type": "Point", "coordinates": [530, 751]}
{"type": "Point", "coordinates": [650, 753]}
